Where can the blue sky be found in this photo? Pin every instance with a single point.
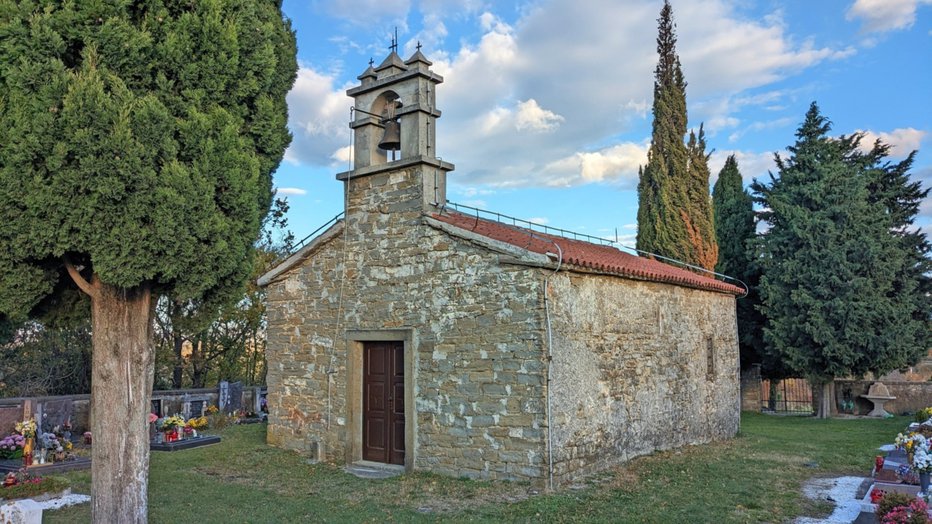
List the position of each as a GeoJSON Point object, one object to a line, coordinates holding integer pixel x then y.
{"type": "Point", "coordinates": [546, 104]}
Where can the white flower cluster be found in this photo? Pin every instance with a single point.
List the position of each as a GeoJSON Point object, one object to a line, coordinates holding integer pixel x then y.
{"type": "Point", "coordinates": [922, 457]}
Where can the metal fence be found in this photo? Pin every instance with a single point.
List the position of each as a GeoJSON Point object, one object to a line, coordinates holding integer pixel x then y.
{"type": "Point", "coordinates": [791, 395]}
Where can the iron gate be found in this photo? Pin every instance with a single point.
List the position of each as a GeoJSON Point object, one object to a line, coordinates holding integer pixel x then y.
{"type": "Point", "coordinates": [790, 395]}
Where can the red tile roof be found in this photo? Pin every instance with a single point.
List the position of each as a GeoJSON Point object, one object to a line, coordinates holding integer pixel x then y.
{"type": "Point", "coordinates": [601, 258]}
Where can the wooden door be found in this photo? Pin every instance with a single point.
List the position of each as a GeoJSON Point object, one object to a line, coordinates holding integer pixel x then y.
{"type": "Point", "coordinates": [383, 409]}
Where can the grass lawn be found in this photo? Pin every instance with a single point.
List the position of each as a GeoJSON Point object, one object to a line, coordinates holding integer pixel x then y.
{"type": "Point", "coordinates": [754, 478]}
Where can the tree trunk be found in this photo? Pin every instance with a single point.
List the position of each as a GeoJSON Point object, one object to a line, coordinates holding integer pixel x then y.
{"type": "Point", "coordinates": [179, 362]}
{"type": "Point", "coordinates": [826, 405]}
{"type": "Point", "coordinates": [121, 387]}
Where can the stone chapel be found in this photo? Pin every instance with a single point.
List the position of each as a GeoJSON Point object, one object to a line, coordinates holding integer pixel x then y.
{"type": "Point", "coordinates": [411, 335]}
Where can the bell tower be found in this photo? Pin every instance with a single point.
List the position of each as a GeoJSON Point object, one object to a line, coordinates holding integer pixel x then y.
{"type": "Point", "coordinates": [394, 125]}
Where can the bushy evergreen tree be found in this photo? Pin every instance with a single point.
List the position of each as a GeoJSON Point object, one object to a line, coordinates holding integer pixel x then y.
{"type": "Point", "coordinates": [138, 142]}
{"type": "Point", "coordinates": [832, 289]}
{"type": "Point", "coordinates": [674, 208]}
{"type": "Point", "coordinates": [735, 231]}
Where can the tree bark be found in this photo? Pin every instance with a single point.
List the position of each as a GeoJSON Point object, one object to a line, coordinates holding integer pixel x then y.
{"type": "Point", "coordinates": [826, 400]}
{"type": "Point", "coordinates": [121, 388]}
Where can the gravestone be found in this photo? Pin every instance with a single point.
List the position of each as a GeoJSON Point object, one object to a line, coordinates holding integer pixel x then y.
{"type": "Point", "coordinates": [236, 396]}
{"type": "Point", "coordinates": [10, 414]}
{"type": "Point", "coordinates": [157, 407]}
{"type": "Point", "coordinates": [56, 413]}
{"type": "Point", "coordinates": [223, 397]}
{"type": "Point", "coordinates": [197, 408]}
{"type": "Point", "coordinates": [194, 408]}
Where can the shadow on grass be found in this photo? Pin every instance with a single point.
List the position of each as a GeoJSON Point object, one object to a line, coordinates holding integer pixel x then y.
{"type": "Point", "coordinates": [755, 477]}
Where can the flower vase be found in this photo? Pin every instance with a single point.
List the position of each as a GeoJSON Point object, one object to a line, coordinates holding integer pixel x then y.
{"type": "Point", "coordinates": [27, 452]}
{"type": "Point", "coordinates": [924, 481]}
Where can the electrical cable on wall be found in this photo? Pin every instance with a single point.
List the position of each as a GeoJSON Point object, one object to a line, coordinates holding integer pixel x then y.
{"type": "Point", "coordinates": [550, 362]}
{"type": "Point", "coordinates": [331, 370]}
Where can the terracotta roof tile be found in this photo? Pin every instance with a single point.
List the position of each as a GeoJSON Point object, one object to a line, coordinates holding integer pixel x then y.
{"type": "Point", "coordinates": [602, 258]}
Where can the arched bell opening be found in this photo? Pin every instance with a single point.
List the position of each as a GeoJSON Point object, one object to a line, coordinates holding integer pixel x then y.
{"type": "Point", "coordinates": [386, 105]}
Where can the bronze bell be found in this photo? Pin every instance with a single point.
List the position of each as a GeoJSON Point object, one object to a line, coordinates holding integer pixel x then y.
{"type": "Point", "coordinates": [391, 140]}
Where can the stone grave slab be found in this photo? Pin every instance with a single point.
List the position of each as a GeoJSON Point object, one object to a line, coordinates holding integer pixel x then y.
{"type": "Point", "coordinates": [187, 443]}
{"type": "Point", "coordinates": [6, 466]}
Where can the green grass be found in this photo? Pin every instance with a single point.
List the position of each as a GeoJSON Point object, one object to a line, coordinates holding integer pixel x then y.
{"type": "Point", "coordinates": [755, 477]}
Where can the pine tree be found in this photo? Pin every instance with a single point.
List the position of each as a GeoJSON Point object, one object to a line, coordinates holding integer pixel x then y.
{"type": "Point", "coordinates": [674, 208]}
{"type": "Point", "coordinates": [138, 143]}
{"type": "Point", "coordinates": [735, 231]}
{"type": "Point", "coordinates": [832, 292]}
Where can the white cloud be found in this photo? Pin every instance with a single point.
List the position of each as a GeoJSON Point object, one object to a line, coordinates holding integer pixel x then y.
{"type": "Point", "coordinates": [618, 163]}
{"type": "Point", "coordinates": [884, 15]}
{"type": "Point", "coordinates": [290, 191]}
{"type": "Point", "coordinates": [760, 126]}
{"type": "Point", "coordinates": [318, 116]}
{"type": "Point", "coordinates": [751, 165]}
{"type": "Point", "coordinates": [533, 117]}
{"type": "Point", "coordinates": [539, 220]}
{"type": "Point", "coordinates": [902, 140]}
{"type": "Point", "coordinates": [639, 108]}
{"type": "Point", "coordinates": [342, 155]}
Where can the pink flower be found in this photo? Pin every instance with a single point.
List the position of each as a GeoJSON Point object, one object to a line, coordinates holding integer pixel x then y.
{"type": "Point", "coordinates": [153, 417]}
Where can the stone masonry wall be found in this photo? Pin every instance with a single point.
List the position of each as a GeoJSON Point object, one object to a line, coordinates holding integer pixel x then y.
{"type": "Point", "coordinates": [476, 326]}
{"type": "Point", "coordinates": [910, 396]}
{"type": "Point", "coordinates": [630, 370]}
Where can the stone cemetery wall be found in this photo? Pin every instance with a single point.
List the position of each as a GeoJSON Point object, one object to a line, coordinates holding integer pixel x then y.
{"type": "Point", "coordinates": [638, 367]}
{"type": "Point", "coordinates": [751, 388]}
{"type": "Point", "coordinates": [475, 326]}
{"type": "Point", "coordinates": [910, 396]}
{"type": "Point", "coordinates": [77, 408]}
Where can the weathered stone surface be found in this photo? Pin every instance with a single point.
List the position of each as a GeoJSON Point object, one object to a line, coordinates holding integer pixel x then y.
{"type": "Point", "coordinates": [630, 371]}
{"type": "Point", "coordinates": [479, 374]}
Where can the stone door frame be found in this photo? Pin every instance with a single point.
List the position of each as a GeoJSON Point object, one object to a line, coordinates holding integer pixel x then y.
{"type": "Point", "coordinates": [354, 389]}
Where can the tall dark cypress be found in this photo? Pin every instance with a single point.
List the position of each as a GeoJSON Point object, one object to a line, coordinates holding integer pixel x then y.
{"type": "Point", "coordinates": [674, 209]}
{"type": "Point", "coordinates": [735, 231]}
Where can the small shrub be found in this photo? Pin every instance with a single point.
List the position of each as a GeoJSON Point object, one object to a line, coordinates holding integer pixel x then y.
{"type": "Point", "coordinates": [914, 513]}
{"type": "Point", "coordinates": [890, 501]}
{"type": "Point", "coordinates": [218, 421]}
{"type": "Point", "coordinates": [924, 414]}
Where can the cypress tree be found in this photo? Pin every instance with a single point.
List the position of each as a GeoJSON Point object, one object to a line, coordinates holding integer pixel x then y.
{"type": "Point", "coordinates": [735, 231]}
{"type": "Point", "coordinates": [674, 209]}
{"type": "Point", "coordinates": [699, 217]}
{"type": "Point", "coordinates": [835, 301]}
{"type": "Point", "coordinates": [139, 140]}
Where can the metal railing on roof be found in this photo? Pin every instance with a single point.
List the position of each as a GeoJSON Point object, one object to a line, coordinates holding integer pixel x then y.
{"type": "Point", "coordinates": [300, 244]}
{"type": "Point", "coordinates": [565, 233]}
{"type": "Point", "coordinates": [527, 224]}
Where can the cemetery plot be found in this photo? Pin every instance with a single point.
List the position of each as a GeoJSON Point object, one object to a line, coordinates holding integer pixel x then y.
{"type": "Point", "coordinates": [901, 487]}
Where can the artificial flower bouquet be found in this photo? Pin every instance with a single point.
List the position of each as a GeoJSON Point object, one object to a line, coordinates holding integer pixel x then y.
{"type": "Point", "coordinates": [172, 422]}
{"type": "Point", "coordinates": [27, 428]}
{"type": "Point", "coordinates": [11, 446]}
